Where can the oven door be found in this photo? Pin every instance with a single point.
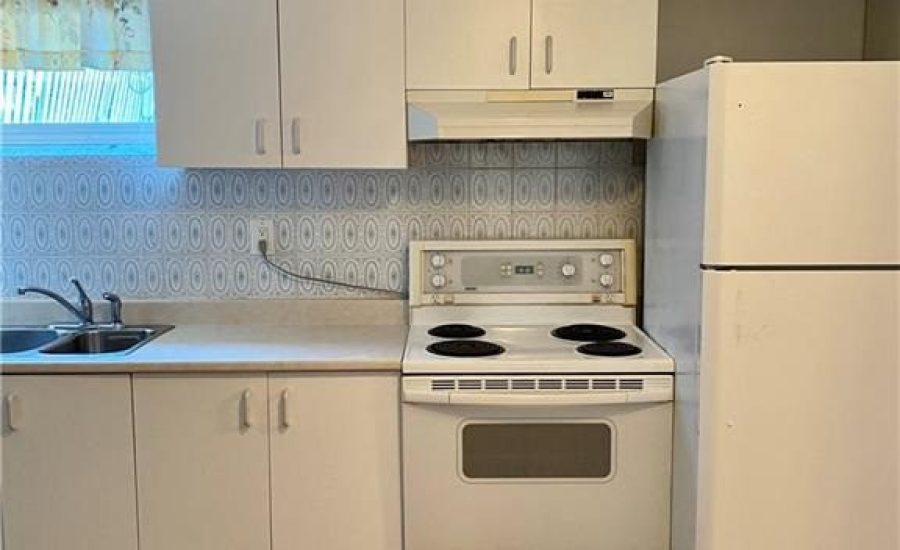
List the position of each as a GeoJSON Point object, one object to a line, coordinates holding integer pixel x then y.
{"type": "Point", "coordinates": [537, 470]}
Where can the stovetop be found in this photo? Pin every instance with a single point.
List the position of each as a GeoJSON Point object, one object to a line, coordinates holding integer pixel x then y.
{"type": "Point", "coordinates": [514, 295]}
{"type": "Point", "coordinates": [533, 349]}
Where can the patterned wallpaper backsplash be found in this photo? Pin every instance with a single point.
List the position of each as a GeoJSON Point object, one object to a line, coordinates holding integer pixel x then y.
{"type": "Point", "coordinates": [123, 224]}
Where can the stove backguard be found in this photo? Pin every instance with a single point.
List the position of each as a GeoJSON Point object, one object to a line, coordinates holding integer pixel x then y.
{"type": "Point", "coordinates": [522, 272]}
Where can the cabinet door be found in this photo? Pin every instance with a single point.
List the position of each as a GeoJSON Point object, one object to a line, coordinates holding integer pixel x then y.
{"type": "Point", "coordinates": [342, 83]}
{"type": "Point", "coordinates": [335, 452]}
{"type": "Point", "coordinates": [68, 463]}
{"type": "Point", "coordinates": [594, 43]}
{"type": "Point", "coordinates": [215, 66]}
{"type": "Point", "coordinates": [467, 44]}
{"type": "Point", "coordinates": [203, 468]}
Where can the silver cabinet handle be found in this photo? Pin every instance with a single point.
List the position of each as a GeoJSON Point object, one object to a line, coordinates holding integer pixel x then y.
{"type": "Point", "coordinates": [548, 54]}
{"type": "Point", "coordinates": [260, 136]}
{"type": "Point", "coordinates": [13, 406]}
{"type": "Point", "coordinates": [246, 413]}
{"type": "Point", "coordinates": [513, 55]}
{"type": "Point", "coordinates": [285, 410]}
{"type": "Point", "coordinates": [295, 135]}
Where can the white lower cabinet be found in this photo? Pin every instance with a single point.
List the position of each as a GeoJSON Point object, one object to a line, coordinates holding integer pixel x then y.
{"type": "Point", "coordinates": [68, 463]}
{"type": "Point", "coordinates": [202, 462]}
{"type": "Point", "coordinates": [210, 447]}
{"type": "Point", "coordinates": [335, 455]}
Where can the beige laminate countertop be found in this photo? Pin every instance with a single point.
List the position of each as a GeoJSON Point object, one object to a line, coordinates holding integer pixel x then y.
{"type": "Point", "coordinates": [233, 348]}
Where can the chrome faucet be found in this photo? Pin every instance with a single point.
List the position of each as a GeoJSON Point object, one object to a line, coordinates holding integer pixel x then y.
{"type": "Point", "coordinates": [85, 311]}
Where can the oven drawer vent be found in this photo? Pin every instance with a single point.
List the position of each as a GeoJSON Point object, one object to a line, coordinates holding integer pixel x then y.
{"type": "Point", "coordinates": [631, 384]}
{"type": "Point", "coordinates": [496, 384]}
{"type": "Point", "coordinates": [558, 384]}
{"type": "Point", "coordinates": [578, 384]}
{"type": "Point", "coordinates": [523, 384]}
{"type": "Point", "coordinates": [469, 383]}
{"type": "Point", "coordinates": [443, 384]}
{"type": "Point", "coordinates": [533, 390]}
{"type": "Point", "coordinates": [550, 384]}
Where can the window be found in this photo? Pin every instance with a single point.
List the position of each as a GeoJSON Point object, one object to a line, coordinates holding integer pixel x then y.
{"type": "Point", "coordinates": [75, 73]}
{"type": "Point", "coordinates": [76, 112]}
{"type": "Point", "coordinates": [86, 96]}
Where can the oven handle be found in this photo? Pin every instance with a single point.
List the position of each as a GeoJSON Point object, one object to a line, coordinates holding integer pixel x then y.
{"type": "Point", "coordinates": [536, 399]}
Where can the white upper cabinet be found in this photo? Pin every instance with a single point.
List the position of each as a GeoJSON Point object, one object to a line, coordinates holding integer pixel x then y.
{"type": "Point", "coordinates": [521, 44]}
{"type": "Point", "coordinates": [594, 43]}
{"type": "Point", "coordinates": [468, 44]}
{"type": "Point", "coordinates": [289, 83]}
{"type": "Point", "coordinates": [215, 70]}
{"type": "Point", "coordinates": [342, 83]}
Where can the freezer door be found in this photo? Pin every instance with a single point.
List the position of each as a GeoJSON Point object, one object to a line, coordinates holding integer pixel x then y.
{"type": "Point", "coordinates": [799, 411]}
{"type": "Point", "coordinates": [803, 164]}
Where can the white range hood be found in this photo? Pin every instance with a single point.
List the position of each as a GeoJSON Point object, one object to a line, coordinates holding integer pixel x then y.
{"type": "Point", "coordinates": [530, 114]}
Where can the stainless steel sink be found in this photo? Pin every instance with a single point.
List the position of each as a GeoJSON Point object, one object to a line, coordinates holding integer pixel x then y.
{"type": "Point", "coordinates": [105, 340]}
{"type": "Point", "coordinates": [14, 340]}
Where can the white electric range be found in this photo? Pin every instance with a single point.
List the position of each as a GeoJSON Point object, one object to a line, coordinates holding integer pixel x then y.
{"type": "Point", "coordinates": [535, 413]}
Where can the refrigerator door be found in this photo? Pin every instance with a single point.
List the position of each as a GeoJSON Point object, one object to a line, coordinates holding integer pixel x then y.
{"type": "Point", "coordinates": [799, 411]}
{"type": "Point", "coordinates": [802, 164]}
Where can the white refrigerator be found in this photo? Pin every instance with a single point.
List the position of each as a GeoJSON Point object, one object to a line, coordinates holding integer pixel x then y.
{"type": "Point", "coordinates": [772, 275]}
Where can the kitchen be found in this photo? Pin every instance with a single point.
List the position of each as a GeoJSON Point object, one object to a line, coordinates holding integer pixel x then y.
{"type": "Point", "coordinates": [647, 273]}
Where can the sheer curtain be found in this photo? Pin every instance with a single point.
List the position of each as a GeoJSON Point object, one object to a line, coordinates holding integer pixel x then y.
{"type": "Point", "coordinates": [74, 34]}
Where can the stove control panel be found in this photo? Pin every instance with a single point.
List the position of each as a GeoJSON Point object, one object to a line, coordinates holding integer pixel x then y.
{"type": "Point", "coordinates": [447, 272]}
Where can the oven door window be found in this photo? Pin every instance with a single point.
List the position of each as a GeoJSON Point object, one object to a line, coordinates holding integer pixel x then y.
{"type": "Point", "coordinates": [534, 451]}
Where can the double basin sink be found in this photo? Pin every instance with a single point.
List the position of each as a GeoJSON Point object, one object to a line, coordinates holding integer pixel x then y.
{"type": "Point", "coordinates": [78, 341]}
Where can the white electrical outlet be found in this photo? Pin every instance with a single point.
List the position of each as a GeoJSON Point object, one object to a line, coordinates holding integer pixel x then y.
{"type": "Point", "coordinates": [263, 230]}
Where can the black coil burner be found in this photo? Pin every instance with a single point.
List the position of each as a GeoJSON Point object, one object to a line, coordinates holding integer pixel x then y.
{"type": "Point", "coordinates": [609, 349]}
{"type": "Point", "coordinates": [456, 330]}
{"type": "Point", "coordinates": [465, 348]}
{"type": "Point", "coordinates": [586, 332]}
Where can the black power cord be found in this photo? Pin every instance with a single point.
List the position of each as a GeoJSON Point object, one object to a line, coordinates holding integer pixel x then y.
{"type": "Point", "coordinates": [263, 247]}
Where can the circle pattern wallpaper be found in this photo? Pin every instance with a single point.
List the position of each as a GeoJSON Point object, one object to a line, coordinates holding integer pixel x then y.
{"type": "Point", "coordinates": [123, 224]}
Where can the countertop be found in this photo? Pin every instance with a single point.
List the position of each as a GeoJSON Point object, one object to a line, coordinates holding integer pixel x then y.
{"type": "Point", "coordinates": [202, 348]}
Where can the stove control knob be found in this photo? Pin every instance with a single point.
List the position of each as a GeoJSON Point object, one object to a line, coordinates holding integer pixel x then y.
{"type": "Point", "coordinates": [568, 270]}
{"type": "Point", "coordinates": [606, 260]}
{"type": "Point", "coordinates": [606, 279]}
{"type": "Point", "coordinates": [438, 280]}
{"type": "Point", "coordinates": [438, 260]}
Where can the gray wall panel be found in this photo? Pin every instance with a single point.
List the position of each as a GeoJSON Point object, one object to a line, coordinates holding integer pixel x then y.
{"type": "Point", "coordinates": [760, 30]}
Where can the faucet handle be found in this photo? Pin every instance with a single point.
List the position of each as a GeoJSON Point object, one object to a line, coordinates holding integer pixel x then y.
{"type": "Point", "coordinates": [87, 308]}
{"type": "Point", "coordinates": [115, 307]}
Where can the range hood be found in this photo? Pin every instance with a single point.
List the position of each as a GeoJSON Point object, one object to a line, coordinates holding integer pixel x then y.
{"type": "Point", "coordinates": [530, 114]}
